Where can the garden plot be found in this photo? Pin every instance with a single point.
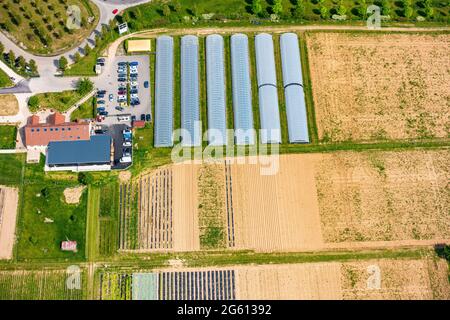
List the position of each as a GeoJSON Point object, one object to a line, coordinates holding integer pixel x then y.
{"type": "Point", "coordinates": [380, 86]}
{"type": "Point", "coordinates": [424, 278]}
{"type": "Point", "coordinates": [384, 197]}
{"type": "Point", "coordinates": [39, 285]}
{"type": "Point", "coordinates": [8, 213]}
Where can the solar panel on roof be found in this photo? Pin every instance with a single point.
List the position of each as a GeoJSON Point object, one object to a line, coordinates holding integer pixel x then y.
{"type": "Point", "coordinates": [242, 92]}
{"type": "Point", "coordinates": [190, 109]}
{"type": "Point", "coordinates": [215, 75]}
{"type": "Point", "coordinates": [267, 89]}
{"type": "Point", "coordinates": [164, 92]}
{"type": "Point", "coordinates": [293, 88]}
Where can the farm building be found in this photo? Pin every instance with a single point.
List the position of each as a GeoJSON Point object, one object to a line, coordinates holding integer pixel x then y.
{"type": "Point", "coordinates": [242, 92]}
{"type": "Point", "coordinates": [69, 246]}
{"type": "Point", "coordinates": [143, 45]}
{"type": "Point", "coordinates": [138, 124]}
{"type": "Point", "coordinates": [38, 135]}
{"type": "Point", "coordinates": [164, 92]}
{"type": "Point", "coordinates": [215, 72]}
{"type": "Point", "coordinates": [293, 89]}
{"type": "Point", "coordinates": [76, 156]}
{"type": "Point", "coordinates": [191, 135]}
{"type": "Point", "coordinates": [267, 89]}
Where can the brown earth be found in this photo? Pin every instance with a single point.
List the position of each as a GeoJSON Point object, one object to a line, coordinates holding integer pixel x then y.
{"type": "Point", "coordinates": [73, 195]}
{"type": "Point", "coordinates": [380, 86]}
{"type": "Point", "coordinates": [9, 106]}
{"type": "Point", "coordinates": [8, 214]}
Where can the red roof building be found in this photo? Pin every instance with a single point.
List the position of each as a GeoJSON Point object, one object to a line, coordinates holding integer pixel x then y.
{"type": "Point", "coordinates": [69, 246]}
{"type": "Point", "coordinates": [55, 129]}
{"type": "Point", "coordinates": [138, 124]}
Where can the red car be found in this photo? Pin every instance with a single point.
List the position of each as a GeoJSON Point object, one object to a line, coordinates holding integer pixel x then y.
{"type": "Point", "coordinates": [115, 11]}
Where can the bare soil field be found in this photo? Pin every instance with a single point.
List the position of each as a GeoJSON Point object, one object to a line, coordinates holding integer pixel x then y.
{"type": "Point", "coordinates": [73, 195]}
{"type": "Point", "coordinates": [384, 196]}
{"type": "Point", "coordinates": [380, 86]}
{"type": "Point", "coordinates": [276, 212]}
{"type": "Point", "coordinates": [9, 106]}
{"type": "Point", "coordinates": [8, 213]}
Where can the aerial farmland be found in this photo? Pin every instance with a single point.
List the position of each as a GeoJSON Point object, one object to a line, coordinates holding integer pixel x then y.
{"type": "Point", "coordinates": [291, 152]}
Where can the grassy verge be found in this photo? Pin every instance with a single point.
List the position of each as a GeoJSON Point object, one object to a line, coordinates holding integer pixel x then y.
{"type": "Point", "coordinates": [11, 168]}
{"type": "Point", "coordinates": [5, 82]}
{"type": "Point", "coordinates": [60, 101]}
{"type": "Point", "coordinates": [8, 136]}
{"type": "Point", "coordinates": [92, 223]}
{"type": "Point", "coordinates": [85, 110]}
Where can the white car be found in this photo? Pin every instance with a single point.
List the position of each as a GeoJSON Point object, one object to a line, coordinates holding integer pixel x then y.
{"type": "Point", "coordinates": [125, 160]}
{"type": "Point", "coordinates": [122, 97]}
{"type": "Point", "coordinates": [126, 131]}
{"type": "Point", "coordinates": [133, 70]}
{"type": "Point", "coordinates": [134, 96]}
{"type": "Point", "coordinates": [134, 84]}
{"type": "Point", "coordinates": [127, 144]}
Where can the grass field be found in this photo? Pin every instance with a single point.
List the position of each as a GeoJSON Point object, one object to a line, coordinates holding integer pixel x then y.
{"type": "Point", "coordinates": [108, 218]}
{"type": "Point", "coordinates": [84, 111]}
{"type": "Point", "coordinates": [9, 106]}
{"type": "Point", "coordinates": [45, 219]}
{"type": "Point", "coordinates": [60, 101]}
{"type": "Point", "coordinates": [5, 82]}
{"type": "Point", "coordinates": [41, 27]}
{"type": "Point", "coordinates": [8, 137]}
{"type": "Point", "coordinates": [11, 168]}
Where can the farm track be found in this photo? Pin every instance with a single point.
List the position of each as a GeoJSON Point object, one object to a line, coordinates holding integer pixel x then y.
{"type": "Point", "coordinates": [229, 201]}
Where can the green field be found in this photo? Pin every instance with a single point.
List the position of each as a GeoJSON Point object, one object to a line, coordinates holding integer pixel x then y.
{"type": "Point", "coordinates": [60, 101]}
{"type": "Point", "coordinates": [41, 26]}
{"type": "Point", "coordinates": [8, 137]}
{"type": "Point", "coordinates": [5, 82]}
{"type": "Point", "coordinates": [42, 201]}
{"type": "Point", "coordinates": [11, 168]}
{"type": "Point", "coordinates": [39, 285]}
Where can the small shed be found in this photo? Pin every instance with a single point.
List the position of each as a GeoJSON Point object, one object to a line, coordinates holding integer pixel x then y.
{"type": "Point", "coordinates": [143, 45]}
{"type": "Point", "coordinates": [69, 246]}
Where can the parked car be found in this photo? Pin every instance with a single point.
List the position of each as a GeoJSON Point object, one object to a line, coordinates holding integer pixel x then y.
{"type": "Point", "coordinates": [134, 63]}
{"type": "Point", "coordinates": [100, 101]}
{"type": "Point", "coordinates": [118, 108]}
{"type": "Point", "coordinates": [121, 79]}
{"type": "Point", "coordinates": [134, 91]}
{"type": "Point", "coordinates": [125, 160]}
{"type": "Point", "coordinates": [122, 63]}
{"type": "Point", "coordinates": [134, 96]}
{"type": "Point", "coordinates": [103, 113]}
{"type": "Point", "coordinates": [122, 96]}
{"type": "Point", "coordinates": [142, 117]}
{"type": "Point", "coordinates": [123, 104]}
{"type": "Point", "coordinates": [148, 117]}
{"type": "Point", "coordinates": [100, 96]}
{"type": "Point", "coordinates": [133, 118]}
{"type": "Point", "coordinates": [111, 97]}
{"type": "Point", "coordinates": [146, 84]}
{"type": "Point", "coordinates": [126, 131]}
{"type": "Point", "coordinates": [127, 144]}
{"type": "Point", "coordinates": [101, 92]}
{"type": "Point", "coordinates": [134, 83]}
{"type": "Point", "coordinates": [122, 75]}
{"type": "Point", "coordinates": [100, 110]}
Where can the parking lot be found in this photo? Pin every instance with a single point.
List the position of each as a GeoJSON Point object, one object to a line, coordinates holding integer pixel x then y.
{"type": "Point", "coordinates": [108, 100]}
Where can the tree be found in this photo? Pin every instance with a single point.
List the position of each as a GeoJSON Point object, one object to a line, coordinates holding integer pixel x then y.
{"type": "Point", "coordinates": [277, 7]}
{"type": "Point", "coordinates": [11, 58]}
{"type": "Point", "coordinates": [408, 12]}
{"type": "Point", "coordinates": [33, 66]}
{"type": "Point", "coordinates": [77, 57]}
{"type": "Point", "coordinates": [85, 178]}
{"type": "Point", "coordinates": [342, 10]}
{"type": "Point", "coordinates": [33, 102]}
{"type": "Point", "coordinates": [429, 12]}
{"type": "Point", "coordinates": [84, 86]}
{"type": "Point", "coordinates": [324, 12]}
{"type": "Point", "coordinates": [63, 63]}
{"type": "Point", "coordinates": [21, 62]}
{"type": "Point", "coordinates": [386, 5]}
{"type": "Point", "coordinates": [257, 7]}
{"type": "Point", "coordinates": [2, 48]}
{"type": "Point", "coordinates": [195, 11]}
{"type": "Point", "coordinates": [363, 9]}
{"type": "Point", "coordinates": [87, 50]}
{"type": "Point", "coordinates": [45, 193]}
{"type": "Point", "coordinates": [299, 10]}
{"type": "Point", "coordinates": [166, 10]}
{"type": "Point", "coordinates": [177, 7]}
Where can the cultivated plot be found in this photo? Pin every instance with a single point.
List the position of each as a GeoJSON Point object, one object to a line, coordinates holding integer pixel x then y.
{"type": "Point", "coordinates": [380, 86]}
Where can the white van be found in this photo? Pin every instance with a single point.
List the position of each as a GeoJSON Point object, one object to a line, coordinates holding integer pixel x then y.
{"type": "Point", "coordinates": [124, 118]}
{"type": "Point", "coordinates": [125, 160]}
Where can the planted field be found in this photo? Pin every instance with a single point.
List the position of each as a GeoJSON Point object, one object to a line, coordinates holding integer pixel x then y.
{"type": "Point", "coordinates": [38, 285]}
{"type": "Point", "coordinates": [128, 223]}
{"type": "Point", "coordinates": [380, 86]}
{"type": "Point", "coordinates": [183, 285]}
{"type": "Point", "coordinates": [42, 26]}
{"type": "Point", "coordinates": [108, 218]}
{"type": "Point", "coordinates": [424, 278]}
{"type": "Point", "coordinates": [9, 198]}
{"type": "Point", "coordinates": [60, 101]}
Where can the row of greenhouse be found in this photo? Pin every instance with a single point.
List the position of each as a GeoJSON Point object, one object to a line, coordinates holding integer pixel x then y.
{"type": "Point", "coordinates": [244, 134]}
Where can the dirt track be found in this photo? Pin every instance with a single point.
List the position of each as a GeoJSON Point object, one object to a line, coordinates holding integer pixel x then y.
{"type": "Point", "coordinates": [8, 213]}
